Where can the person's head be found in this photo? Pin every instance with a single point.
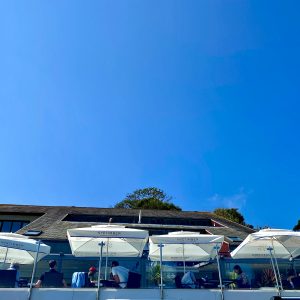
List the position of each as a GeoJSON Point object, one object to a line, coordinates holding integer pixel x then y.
{"type": "Point", "coordinates": [14, 265]}
{"type": "Point", "coordinates": [92, 271]}
{"type": "Point", "coordinates": [114, 263]}
{"type": "Point", "coordinates": [237, 269]}
{"type": "Point", "coordinates": [52, 264]}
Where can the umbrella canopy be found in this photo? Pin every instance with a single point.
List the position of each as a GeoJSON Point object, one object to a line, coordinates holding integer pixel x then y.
{"type": "Point", "coordinates": [119, 241]}
{"type": "Point", "coordinates": [284, 244]}
{"type": "Point", "coordinates": [184, 246]}
{"type": "Point", "coordinates": [21, 249]}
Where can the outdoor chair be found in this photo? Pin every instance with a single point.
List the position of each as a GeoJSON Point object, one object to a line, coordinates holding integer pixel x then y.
{"type": "Point", "coordinates": [296, 282]}
{"type": "Point", "coordinates": [134, 280]}
{"type": "Point", "coordinates": [109, 283]}
{"type": "Point", "coordinates": [53, 279]}
{"type": "Point", "coordinates": [178, 281]}
{"type": "Point", "coordinates": [23, 282]}
{"type": "Point", "coordinates": [8, 278]}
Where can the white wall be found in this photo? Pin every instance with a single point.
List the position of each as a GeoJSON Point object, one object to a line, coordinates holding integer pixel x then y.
{"type": "Point", "coordinates": [143, 294]}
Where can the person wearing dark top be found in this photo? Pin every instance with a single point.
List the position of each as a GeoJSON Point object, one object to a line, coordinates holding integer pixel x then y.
{"type": "Point", "coordinates": [242, 280]}
{"type": "Point", "coordinates": [15, 266]}
{"type": "Point", "coordinates": [52, 264]}
{"type": "Point", "coordinates": [293, 280]}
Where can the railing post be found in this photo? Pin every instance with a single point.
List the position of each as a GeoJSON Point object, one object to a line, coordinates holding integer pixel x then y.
{"type": "Point", "coordinates": [34, 268]}
{"type": "Point", "coordinates": [161, 273]}
{"type": "Point", "coordinates": [106, 259]}
{"type": "Point", "coordinates": [59, 267]}
{"type": "Point", "coordinates": [277, 267]}
{"type": "Point", "coordinates": [99, 269]}
{"type": "Point", "coordinates": [274, 270]}
{"type": "Point", "coordinates": [183, 258]}
{"type": "Point", "coordinates": [219, 271]}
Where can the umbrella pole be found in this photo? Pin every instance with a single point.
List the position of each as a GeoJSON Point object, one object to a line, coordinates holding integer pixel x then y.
{"type": "Point", "coordinates": [183, 260]}
{"type": "Point", "coordinates": [106, 260]}
{"type": "Point", "coordinates": [99, 268]}
{"type": "Point", "coordinates": [274, 269]}
{"type": "Point", "coordinates": [278, 272]}
{"type": "Point", "coordinates": [293, 265]}
{"type": "Point", "coordinates": [5, 256]}
{"type": "Point", "coordinates": [34, 268]}
{"type": "Point", "coordinates": [277, 267]}
{"type": "Point", "coordinates": [161, 273]}
{"type": "Point", "coordinates": [219, 271]}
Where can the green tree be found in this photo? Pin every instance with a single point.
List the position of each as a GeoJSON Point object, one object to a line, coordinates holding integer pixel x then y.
{"type": "Point", "coordinates": [148, 198]}
{"type": "Point", "coordinates": [231, 214]}
{"type": "Point", "coordinates": [297, 226]}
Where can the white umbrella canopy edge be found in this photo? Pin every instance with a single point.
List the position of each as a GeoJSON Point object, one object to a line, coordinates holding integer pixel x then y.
{"type": "Point", "coordinates": [184, 238]}
{"type": "Point", "coordinates": [108, 231]}
{"type": "Point", "coordinates": [21, 249]}
{"type": "Point", "coordinates": [90, 247]}
{"type": "Point", "coordinates": [284, 244]}
{"type": "Point", "coordinates": [120, 241]}
{"type": "Point", "coordinates": [187, 246]}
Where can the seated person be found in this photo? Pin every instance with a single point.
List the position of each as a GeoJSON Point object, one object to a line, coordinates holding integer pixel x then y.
{"type": "Point", "coordinates": [189, 280]}
{"type": "Point", "coordinates": [92, 280]}
{"type": "Point", "coordinates": [242, 280]}
{"type": "Point", "coordinates": [119, 274]}
{"type": "Point", "coordinates": [52, 264]}
{"type": "Point", "coordinates": [293, 280]}
{"type": "Point", "coordinates": [15, 266]}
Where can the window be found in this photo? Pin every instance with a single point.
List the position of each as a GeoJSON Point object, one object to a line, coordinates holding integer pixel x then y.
{"type": "Point", "coordinates": [235, 238]}
{"type": "Point", "coordinates": [145, 220]}
{"type": "Point", "coordinates": [33, 232]}
{"type": "Point", "coordinates": [16, 226]}
{"type": "Point", "coordinates": [12, 226]}
{"type": "Point", "coordinates": [177, 221]}
{"type": "Point", "coordinates": [100, 218]}
{"type": "Point", "coordinates": [6, 226]}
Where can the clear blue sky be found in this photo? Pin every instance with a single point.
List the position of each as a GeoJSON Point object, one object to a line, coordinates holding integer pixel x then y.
{"type": "Point", "coordinates": [198, 98]}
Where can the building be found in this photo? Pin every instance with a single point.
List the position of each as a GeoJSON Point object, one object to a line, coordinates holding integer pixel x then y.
{"type": "Point", "coordinates": [50, 224]}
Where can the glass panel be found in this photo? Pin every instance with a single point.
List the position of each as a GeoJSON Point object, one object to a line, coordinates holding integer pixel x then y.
{"type": "Point", "coordinates": [180, 275]}
{"type": "Point", "coordinates": [16, 225]}
{"type": "Point", "coordinates": [259, 272]}
{"type": "Point", "coordinates": [6, 226]}
{"type": "Point", "coordinates": [235, 238]}
{"type": "Point", "coordinates": [24, 223]}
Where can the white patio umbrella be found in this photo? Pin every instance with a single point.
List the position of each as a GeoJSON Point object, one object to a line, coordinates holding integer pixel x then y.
{"type": "Point", "coordinates": [184, 246]}
{"type": "Point", "coordinates": [270, 243]}
{"type": "Point", "coordinates": [284, 243]}
{"type": "Point", "coordinates": [21, 249]}
{"type": "Point", "coordinates": [119, 241]}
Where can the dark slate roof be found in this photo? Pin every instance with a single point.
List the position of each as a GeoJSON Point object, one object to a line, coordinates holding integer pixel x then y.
{"type": "Point", "coordinates": [54, 228]}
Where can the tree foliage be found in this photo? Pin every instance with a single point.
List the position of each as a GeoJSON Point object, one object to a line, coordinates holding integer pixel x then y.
{"type": "Point", "coordinates": [231, 214]}
{"type": "Point", "coordinates": [148, 198]}
{"type": "Point", "coordinates": [297, 226]}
